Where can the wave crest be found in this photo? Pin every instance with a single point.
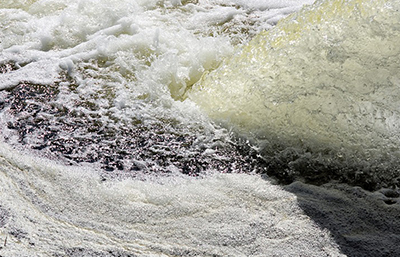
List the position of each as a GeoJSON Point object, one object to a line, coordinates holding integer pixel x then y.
{"type": "Point", "coordinates": [319, 92]}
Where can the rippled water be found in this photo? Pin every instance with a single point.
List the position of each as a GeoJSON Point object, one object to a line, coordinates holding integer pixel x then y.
{"type": "Point", "coordinates": [141, 128]}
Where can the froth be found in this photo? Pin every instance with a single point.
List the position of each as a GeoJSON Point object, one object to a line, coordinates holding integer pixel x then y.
{"type": "Point", "coordinates": [70, 208]}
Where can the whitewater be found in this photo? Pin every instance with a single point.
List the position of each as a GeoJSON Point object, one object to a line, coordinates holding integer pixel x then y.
{"type": "Point", "coordinates": [199, 128]}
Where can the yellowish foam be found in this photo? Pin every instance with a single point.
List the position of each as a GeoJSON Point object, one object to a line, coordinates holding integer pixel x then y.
{"type": "Point", "coordinates": [324, 79]}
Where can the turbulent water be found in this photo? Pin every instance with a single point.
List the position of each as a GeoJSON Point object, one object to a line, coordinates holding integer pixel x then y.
{"type": "Point", "coordinates": [141, 127]}
{"type": "Point", "coordinates": [320, 92]}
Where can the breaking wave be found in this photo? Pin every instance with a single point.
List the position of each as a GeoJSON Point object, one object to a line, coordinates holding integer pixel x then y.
{"type": "Point", "coordinates": [319, 93]}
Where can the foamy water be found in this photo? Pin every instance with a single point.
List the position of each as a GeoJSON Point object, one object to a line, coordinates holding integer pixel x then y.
{"type": "Point", "coordinates": [321, 88]}
{"type": "Point", "coordinates": [102, 153]}
{"type": "Point", "coordinates": [56, 210]}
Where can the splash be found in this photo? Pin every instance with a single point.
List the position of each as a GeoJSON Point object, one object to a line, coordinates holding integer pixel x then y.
{"type": "Point", "coordinates": [319, 92]}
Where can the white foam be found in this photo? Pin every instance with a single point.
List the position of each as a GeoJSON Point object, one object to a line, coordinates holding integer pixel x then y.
{"type": "Point", "coordinates": [35, 73]}
{"type": "Point", "coordinates": [55, 207]}
{"type": "Point", "coordinates": [265, 4]}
